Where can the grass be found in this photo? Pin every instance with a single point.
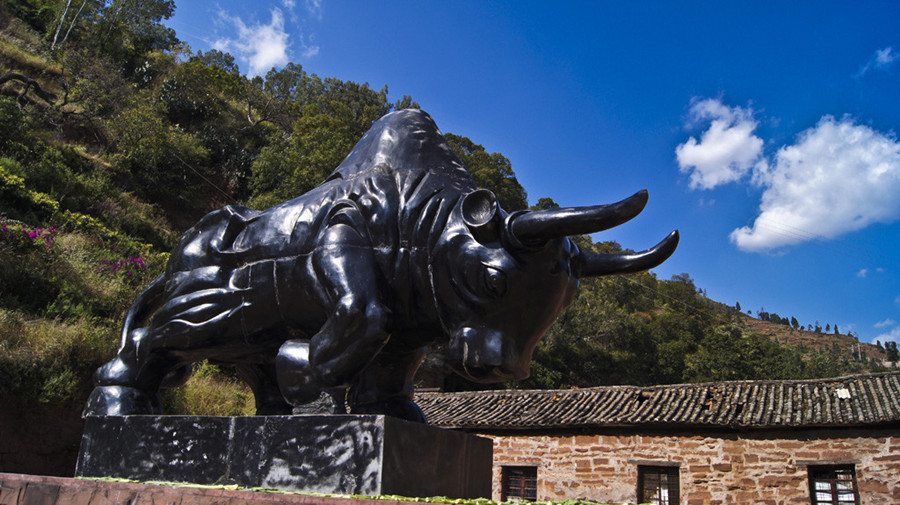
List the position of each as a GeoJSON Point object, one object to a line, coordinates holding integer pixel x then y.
{"type": "Point", "coordinates": [21, 47]}
{"type": "Point", "coordinates": [210, 392]}
{"type": "Point", "coordinates": [48, 360]}
{"type": "Point", "coordinates": [18, 59]}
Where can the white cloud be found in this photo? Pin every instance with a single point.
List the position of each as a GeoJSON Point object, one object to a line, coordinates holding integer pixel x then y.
{"type": "Point", "coordinates": [314, 7]}
{"type": "Point", "coordinates": [263, 46]}
{"type": "Point", "coordinates": [838, 177]}
{"type": "Point", "coordinates": [891, 336]}
{"type": "Point", "coordinates": [881, 60]}
{"type": "Point", "coordinates": [726, 151]}
{"type": "Point", "coordinates": [865, 272]}
{"type": "Point", "coordinates": [884, 324]}
{"type": "Point", "coordinates": [884, 57]}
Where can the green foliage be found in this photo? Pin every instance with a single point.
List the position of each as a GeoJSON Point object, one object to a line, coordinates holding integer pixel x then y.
{"type": "Point", "coordinates": [36, 15]}
{"type": "Point", "coordinates": [188, 97]}
{"type": "Point", "coordinates": [728, 354]}
{"type": "Point", "coordinates": [20, 201]}
{"type": "Point", "coordinates": [892, 354]}
{"type": "Point", "coordinates": [544, 204]}
{"type": "Point", "coordinates": [129, 30]}
{"type": "Point", "coordinates": [162, 159]}
{"type": "Point", "coordinates": [322, 138]}
{"type": "Point", "coordinates": [95, 85]}
{"type": "Point", "coordinates": [490, 170]}
{"type": "Point", "coordinates": [12, 127]}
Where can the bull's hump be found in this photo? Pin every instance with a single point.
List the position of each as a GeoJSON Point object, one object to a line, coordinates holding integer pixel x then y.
{"type": "Point", "coordinates": [405, 140]}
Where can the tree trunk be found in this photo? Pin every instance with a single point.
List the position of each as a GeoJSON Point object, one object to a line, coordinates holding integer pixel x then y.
{"type": "Point", "coordinates": [59, 26]}
{"type": "Point", "coordinates": [73, 22]}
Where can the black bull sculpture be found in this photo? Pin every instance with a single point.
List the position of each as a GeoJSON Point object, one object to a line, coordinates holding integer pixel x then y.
{"type": "Point", "coordinates": [347, 284]}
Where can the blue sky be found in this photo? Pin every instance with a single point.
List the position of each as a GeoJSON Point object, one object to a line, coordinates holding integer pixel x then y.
{"type": "Point", "coordinates": [766, 132]}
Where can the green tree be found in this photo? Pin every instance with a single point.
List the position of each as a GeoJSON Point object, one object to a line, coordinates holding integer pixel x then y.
{"type": "Point", "coordinates": [544, 204]}
{"type": "Point", "coordinates": [165, 163]}
{"type": "Point", "coordinates": [13, 130]}
{"type": "Point", "coordinates": [728, 354]}
{"type": "Point", "coordinates": [490, 170]}
{"type": "Point", "coordinates": [287, 168]}
{"type": "Point", "coordinates": [892, 355]}
{"type": "Point", "coordinates": [127, 31]}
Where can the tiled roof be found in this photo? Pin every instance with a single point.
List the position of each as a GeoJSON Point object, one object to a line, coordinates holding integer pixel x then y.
{"type": "Point", "coordinates": [845, 401]}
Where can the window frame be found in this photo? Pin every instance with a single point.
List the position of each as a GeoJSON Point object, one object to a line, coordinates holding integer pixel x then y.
{"type": "Point", "coordinates": [672, 474]}
{"type": "Point", "coordinates": [829, 474]}
{"type": "Point", "coordinates": [525, 476]}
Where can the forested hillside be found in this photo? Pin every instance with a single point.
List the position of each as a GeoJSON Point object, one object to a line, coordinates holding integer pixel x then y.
{"type": "Point", "coordinates": [115, 138]}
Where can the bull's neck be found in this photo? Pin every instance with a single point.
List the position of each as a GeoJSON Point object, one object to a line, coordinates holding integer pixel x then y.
{"type": "Point", "coordinates": [425, 230]}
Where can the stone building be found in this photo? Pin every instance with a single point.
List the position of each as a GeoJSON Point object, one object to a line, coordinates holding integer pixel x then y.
{"type": "Point", "coordinates": [828, 441]}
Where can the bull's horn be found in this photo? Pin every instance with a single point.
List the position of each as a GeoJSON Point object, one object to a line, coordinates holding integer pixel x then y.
{"type": "Point", "coordinates": [538, 226]}
{"type": "Point", "coordinates": [593, 264]}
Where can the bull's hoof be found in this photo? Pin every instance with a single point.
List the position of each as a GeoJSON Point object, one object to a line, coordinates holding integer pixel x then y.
{"type": "Point", "coordinates": [121, 401]}
{"type": "Point", "coordinates": [326, 403]}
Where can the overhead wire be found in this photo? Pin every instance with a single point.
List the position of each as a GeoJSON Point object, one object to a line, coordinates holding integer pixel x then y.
{"type": "Point", "coordinates": [211, 183]}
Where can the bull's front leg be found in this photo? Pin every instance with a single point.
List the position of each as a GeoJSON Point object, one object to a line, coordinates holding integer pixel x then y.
{"type": "Point", "coordinates": [386, 385]}
{"type": "Point", "coordinates": [354, 332]}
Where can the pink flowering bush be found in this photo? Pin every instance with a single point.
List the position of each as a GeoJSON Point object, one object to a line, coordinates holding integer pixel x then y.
{"type": "Point", "coordinates": [21, 234]}
{"type": "Point", "coordinates": [131, 268]}
{"type": "Point", "coordinates": [126, 266]}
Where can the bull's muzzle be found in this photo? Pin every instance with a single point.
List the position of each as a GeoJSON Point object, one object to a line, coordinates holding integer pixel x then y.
{"type": "Point", "coordinates": [483, 356]}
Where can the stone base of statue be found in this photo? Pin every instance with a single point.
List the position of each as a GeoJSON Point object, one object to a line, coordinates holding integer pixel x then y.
{"type": "Point", "coordinates": [336, 454]}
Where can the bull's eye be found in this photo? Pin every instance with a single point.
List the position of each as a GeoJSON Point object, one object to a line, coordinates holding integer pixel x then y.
{"type": "Point", "coordinates": [494, 281]}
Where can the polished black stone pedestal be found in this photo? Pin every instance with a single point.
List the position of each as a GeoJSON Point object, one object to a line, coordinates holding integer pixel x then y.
{"type": "Point", "coordinates": [340, 454]}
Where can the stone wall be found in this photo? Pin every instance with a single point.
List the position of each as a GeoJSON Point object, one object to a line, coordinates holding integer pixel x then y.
{"type": "Point", "coordinates": [762, 467]}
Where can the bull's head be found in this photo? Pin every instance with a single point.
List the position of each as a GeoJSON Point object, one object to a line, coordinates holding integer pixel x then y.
{"type": "Point", "coordinates": [500, 280]}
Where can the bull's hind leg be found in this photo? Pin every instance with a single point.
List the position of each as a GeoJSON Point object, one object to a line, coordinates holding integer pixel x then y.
{"type": "Point", "coordinates": [129, 386]}
{"type": "Point", "coordinates": [198, 318]}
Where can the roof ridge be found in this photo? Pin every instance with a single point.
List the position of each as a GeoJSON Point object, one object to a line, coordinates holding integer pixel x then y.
{"type": "Point", "coordinates": [530, 392]}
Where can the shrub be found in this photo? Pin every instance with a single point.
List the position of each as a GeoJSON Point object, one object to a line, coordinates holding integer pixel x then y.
{"type": "Point", "coordinates": [23, 201]}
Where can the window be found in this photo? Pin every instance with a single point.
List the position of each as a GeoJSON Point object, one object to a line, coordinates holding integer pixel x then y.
{"type": "Point", "coordinates": [519, 483]}
{"type": "Point", "coordinates": [833, 485]}
{"type": "Point", "coordinates": [658, 484]}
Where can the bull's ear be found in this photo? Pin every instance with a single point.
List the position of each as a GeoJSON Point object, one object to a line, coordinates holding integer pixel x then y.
{"type": "Point", "coordinates": [481, 213]}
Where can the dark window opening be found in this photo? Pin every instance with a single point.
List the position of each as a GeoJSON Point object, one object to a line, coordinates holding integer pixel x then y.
{"type": "Point", "coordinates": [658, 485]}
{"type": "Point", "coordinates": [519, 483]}
{"type": "Point", "coordinates": [833, 485]}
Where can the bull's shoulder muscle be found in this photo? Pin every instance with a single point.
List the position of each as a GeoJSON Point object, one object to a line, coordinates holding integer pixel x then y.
{"type": "Point", "coordinates": [403, 144]}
